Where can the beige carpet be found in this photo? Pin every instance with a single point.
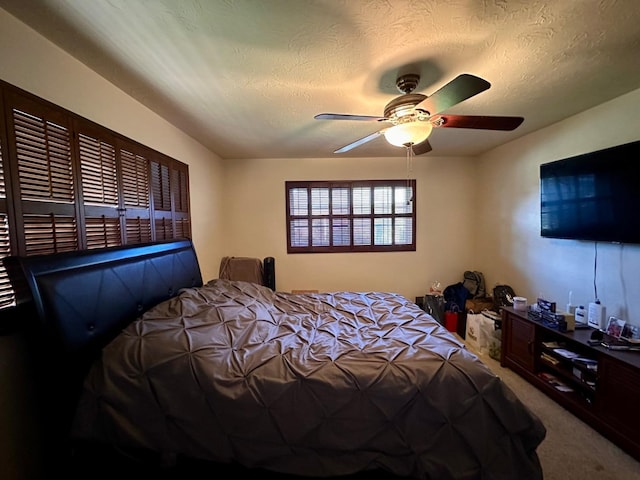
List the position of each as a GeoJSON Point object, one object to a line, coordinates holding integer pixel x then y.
{"type": "Point", "coordinates": [571, 450]}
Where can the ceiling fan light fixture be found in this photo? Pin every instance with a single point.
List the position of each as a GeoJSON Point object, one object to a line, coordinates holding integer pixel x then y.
{"type": "Point", "coordinates": [410, 133]}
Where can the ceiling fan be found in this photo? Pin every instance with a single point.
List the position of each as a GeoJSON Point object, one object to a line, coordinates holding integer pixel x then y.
{"type": "Point", "coordinates": [413, 115]}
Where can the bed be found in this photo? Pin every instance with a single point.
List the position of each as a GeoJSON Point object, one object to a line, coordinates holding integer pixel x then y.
{"type": "Point", "coordinates": [163, 371]}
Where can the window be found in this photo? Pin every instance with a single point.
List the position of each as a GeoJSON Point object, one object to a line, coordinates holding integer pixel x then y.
{"type": "Point", "coordinates": [351, 216]}
{"type": "Point", "coordinates": [69, 184]}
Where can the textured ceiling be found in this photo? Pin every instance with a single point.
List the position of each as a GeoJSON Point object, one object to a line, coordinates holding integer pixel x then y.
{"type": "Point", "coordinates": [246, 77]}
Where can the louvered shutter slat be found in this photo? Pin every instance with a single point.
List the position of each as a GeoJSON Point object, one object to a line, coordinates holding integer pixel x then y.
{"type": "Point", "coordinates": [3, 190]}
{"type": "Point", "coordinates": [45, 142]}
{"type": "Point", "coordinates": [98, 162]}
{"type": "Point", "coordinates": [135, 180]}
{"type": "Point", "coordinates": [183, 228]}
{"type": "Point", "coordinates": [46, 234]}
{"type": "Point", "coordinates": [164, 228]}
{"type": "Point", "coordinates": [138, 230]}
{"type": "Point", "coordinates": [103, 232]}
{"type": "Point", "coordinates": [44, 158]}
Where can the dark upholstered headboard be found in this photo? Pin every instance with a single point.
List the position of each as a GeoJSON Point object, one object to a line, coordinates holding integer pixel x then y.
{"type": "Point", "coordinates": [83, 299]}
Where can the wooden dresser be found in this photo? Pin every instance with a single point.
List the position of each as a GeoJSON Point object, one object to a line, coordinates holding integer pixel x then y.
{"type": "Point", "coordinates": [602, 388]}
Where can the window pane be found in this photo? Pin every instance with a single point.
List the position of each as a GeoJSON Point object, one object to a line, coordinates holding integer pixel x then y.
{"type": "Point", "coordinates": [403, 200]}
{"type": "Point", "coordinates": [403, 231]}
{"type": "Point", "coordinates": [298, 201]}
{"type": "Point", "coordinates": [382, 231]}
{"type": "Point", "coordinates": [319, 201]}
{"type": "Point", "coordinates": [361, 200]}
{"type": "Point", "coordinates": [340, 201]}
{"type": "Point", "coordinates": [341, 231]}
{"type": "Point", "coordinates": [320, 232]}
{"type": "Point", "coordinates": [362, 231]}
{"type": "Point", "coordinates": [299, 233]}
{"type": "Point", "coordinates": [383, 200]}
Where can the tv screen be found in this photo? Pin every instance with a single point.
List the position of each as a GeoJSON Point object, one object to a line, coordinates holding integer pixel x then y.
{"type": "Point", "coordinates": [595, 196]}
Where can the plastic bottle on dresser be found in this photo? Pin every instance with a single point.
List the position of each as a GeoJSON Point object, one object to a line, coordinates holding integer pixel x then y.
{"type": "Point", "coordinates": [596, 315]}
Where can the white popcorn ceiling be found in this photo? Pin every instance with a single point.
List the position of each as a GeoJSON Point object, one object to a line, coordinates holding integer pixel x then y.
{"type": "Point", "coordinates": [246, 77]}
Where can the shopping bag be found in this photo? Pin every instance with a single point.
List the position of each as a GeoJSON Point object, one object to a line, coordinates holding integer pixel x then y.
{"type": "Point", "coordinates": [479, 332]}
{"type": "Point", "coordinates": [472, 332]}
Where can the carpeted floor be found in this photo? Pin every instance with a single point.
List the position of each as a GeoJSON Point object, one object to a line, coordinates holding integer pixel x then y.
{"type": "Point", "coordinates": [571, 450]}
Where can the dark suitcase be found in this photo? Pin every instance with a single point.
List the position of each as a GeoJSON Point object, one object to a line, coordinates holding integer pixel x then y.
{"type": "Point", "coordinates": [269, 265]}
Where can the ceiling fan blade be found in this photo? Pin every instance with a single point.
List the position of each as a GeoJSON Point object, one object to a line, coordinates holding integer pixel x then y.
{"type": "Point", "coordinates": [477, 121]}
{"type": "Point", "coordinates": [457, 90]}
{"type": "Point", "coordinates": [422, 147]}
{"type": "Point", "coordinates": [357, 143]}
{"type": "Point", "coordinates": [342, 116]}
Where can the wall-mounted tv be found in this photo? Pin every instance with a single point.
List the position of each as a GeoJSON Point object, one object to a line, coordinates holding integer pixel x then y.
{"type": "Point", "coordinates": [595, 196]}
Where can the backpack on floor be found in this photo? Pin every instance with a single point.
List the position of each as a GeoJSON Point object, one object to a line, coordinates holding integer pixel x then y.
{"type": "Point", "coordinates": [503, 296]}
{"type": "Point", "coordinates": [474, 282]}
{"type": "Point", "coordinates": [455, 297]}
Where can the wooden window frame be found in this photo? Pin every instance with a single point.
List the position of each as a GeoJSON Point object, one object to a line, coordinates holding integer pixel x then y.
{"type": "Point", "coordinates": [46, 148]}
{"type": "Point", "coordinates": [348, 218]}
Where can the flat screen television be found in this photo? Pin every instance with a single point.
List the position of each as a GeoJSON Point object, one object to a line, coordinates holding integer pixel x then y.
{"type": "Point", "coordinates": [594, 196]}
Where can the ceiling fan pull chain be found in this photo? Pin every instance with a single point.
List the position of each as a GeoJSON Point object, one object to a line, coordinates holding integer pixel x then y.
{"type": "Point", "coordinates": [409, 148]}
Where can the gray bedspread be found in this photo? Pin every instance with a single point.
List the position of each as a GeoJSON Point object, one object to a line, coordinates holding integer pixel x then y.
{"type": "Point", "coordinates": [314, 384]}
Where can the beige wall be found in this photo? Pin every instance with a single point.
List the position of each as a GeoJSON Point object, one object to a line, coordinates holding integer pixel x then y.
{"type": "Point", "coordinates": [510, 248]}
{"type": "Point", "coordinates": [255, 223]}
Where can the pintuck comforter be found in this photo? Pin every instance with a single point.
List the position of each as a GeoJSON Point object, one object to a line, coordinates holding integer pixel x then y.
{"type": "Point", "coordinates": [314, 384]}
